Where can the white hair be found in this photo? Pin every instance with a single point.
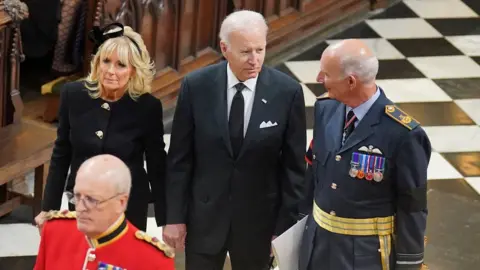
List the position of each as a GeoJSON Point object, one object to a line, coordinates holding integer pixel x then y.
{"type": "Point", "coordinates": [365, 68]}
{"type": "Point", "coordinates": [243, 20]}
{"type": "Point", "coordinates": [122, 180]}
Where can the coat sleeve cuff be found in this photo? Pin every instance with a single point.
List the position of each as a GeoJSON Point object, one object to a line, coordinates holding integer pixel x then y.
{"type": "Point", "coordinates": [409, 261]}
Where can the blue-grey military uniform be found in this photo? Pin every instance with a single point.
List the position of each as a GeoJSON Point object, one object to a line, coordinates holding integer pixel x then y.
{"type": "Point", "coordinates": [369, 206]}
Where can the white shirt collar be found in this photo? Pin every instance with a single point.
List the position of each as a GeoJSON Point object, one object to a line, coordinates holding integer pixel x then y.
{"type": "Point", "coordinates": [232, 80]}
{"type": "Point", "coordinates": [361, 110]}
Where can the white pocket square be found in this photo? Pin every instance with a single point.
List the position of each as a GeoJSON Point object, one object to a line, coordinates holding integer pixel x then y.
{"type": "Point", "coordinates": [268, 124]}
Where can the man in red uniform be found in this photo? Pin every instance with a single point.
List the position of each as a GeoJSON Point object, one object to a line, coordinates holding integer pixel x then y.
{"type": "Point", "coordinates": [97, 236]}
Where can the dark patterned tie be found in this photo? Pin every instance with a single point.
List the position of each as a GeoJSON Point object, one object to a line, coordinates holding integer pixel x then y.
{"type": "Point", "coordinates": [349, 124]}
{"type": "Point", "coordinates": [235, 121]}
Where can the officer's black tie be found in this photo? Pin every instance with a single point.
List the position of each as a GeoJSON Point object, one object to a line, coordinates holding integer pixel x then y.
{"type": "Point", "coordinates": [236, 119]}
{"type": "Point", "coordinates": [349, 124]}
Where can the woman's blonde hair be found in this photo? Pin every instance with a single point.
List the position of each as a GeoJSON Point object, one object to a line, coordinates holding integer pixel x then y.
{"type": "Point", "coordinates": [144, 68]}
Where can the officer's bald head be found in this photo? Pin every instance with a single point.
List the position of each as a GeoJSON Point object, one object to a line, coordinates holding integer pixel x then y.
{"type": "Point", "coordinates": [108, 169]}
{"type": "Point", "coordinates": [101, 193]}
{"type": "Point", "coordinates": [355, 58]}
{"type": "Point", "coordinates": [348, 69]}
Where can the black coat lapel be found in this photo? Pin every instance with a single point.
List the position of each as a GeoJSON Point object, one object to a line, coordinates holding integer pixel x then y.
{"type": "Point", "coordinates": [263, 91]}
{"type": "Point", "coordinates": [366, 127]}
{"type": "Point", "coordinates": [220, 97]}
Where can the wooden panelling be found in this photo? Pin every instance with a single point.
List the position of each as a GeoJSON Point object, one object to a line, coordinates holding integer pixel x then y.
{"type": "Point", "coordinates": [308, 5]}
{"type": "Point", "coordinates": [256, 5]}
{"type": "Point", "coordinates": [148, 24]}
{"type": "Point", "coordinates": [286, 4]}
{"type": "Point", "coordinates": [206, 24]}
{"type": "Point", "coordinates": [187, 31]}
{"type": "Point", "coordinates": [166, 35]}
{"type": "Point", "coordinates": [11, 105]}
{"type": "Point", "coordinates": [270, 8]}
{"type": "Point", "coordinates": [3, 63]}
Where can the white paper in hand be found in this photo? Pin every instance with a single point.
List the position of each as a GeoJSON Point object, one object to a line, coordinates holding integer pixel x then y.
{"type": "Point", "coordinates": [286, 247]}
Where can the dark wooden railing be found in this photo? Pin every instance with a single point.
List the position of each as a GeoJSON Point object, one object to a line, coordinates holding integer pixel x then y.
{"type": "Point", "coordinates": [11, 55]}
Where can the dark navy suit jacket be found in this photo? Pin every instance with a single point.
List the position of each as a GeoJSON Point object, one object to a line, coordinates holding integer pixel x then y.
{"type": "Point", "coordinates": [254, 196]}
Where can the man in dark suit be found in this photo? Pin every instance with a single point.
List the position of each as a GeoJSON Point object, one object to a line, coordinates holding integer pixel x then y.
{"type": "Point", "coordinates": [236, 158]}
{"type": "Point", "coordinates": [369, 162]}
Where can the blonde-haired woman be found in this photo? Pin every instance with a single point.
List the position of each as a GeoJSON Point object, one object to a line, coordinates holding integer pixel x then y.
{"type": "Point", "coordinates": [111, 112]}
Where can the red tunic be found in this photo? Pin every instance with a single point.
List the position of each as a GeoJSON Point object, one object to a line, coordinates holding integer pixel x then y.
{"type": "Point", "coordinates": [123, 247]}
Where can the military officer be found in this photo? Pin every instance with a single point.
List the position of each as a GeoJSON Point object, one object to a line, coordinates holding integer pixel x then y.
{"type": "Point", "coordinates": [98, 236]}
{"type": "Point", "coordinates": [369, 164]}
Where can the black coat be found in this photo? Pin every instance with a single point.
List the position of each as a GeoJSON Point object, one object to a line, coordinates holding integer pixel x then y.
{"type": "Point", "coordinates": [253, 197]}
{"type": "Point", "coordinates": [130, 130]}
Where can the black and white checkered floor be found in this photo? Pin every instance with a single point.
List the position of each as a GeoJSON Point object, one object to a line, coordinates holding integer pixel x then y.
{"type": "Point", "coordinates": [429, 53]}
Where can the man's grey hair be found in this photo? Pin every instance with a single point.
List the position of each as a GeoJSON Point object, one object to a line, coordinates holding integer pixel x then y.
{"type": "Point", "coordinates": [243, 20]}
{"type": "Point", "coordinates": [364, 67]}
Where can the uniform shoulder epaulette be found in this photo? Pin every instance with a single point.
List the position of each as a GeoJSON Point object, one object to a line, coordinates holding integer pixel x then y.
{"type": "Point", "coordinates": [62, 214]}
{"type": "Point", "coordinates": [323, 96]}
{"type": "Point", "coordinates": [155, 242]}
{"type": "Point", "coordinates": [401, 117]}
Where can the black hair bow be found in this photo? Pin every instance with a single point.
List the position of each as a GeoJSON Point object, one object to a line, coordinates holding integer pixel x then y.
{"type": "Point", "coordinates": [99, 35]}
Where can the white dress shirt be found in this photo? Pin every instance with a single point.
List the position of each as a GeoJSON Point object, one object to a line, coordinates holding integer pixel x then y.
{"type": "Point", "coordinates": [248, 95]}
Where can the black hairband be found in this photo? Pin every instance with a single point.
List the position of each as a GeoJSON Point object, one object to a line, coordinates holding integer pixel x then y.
{"type": "Point", "coordinates": [99, 35]}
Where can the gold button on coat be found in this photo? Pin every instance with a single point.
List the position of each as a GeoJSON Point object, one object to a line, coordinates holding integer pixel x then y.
{"type": "Point", "coordinates": [99, 134]}
{"type": "Point", "coordinates": [106, 106]}
{"type": "Point", "coordinates": [338, 158]}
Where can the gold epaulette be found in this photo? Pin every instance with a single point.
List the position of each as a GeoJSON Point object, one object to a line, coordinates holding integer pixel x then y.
{"type": "Point", "coordinates": [401, 117]}
{"type": "Point", "coordinates": [323, 96]}
{"type": "Point", "coordinates": [63, 214]}
{"type": "Point", "coordinates": [156, 243]}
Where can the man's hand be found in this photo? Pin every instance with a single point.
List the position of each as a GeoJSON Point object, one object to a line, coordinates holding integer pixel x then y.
{"type": "Point", "coordinates": [271, 248]}
{"type": "Point", "coordinates": [272, 256]}
{"type": "Point", "coordinates": [40, 220]}
{"type": "Point", "coordinates": [174, 235]}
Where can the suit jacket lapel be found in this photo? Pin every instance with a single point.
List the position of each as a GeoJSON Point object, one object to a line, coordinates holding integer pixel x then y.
{"type": "Point", "coordinates": [366, 127]}
{"type": "Point", "coordinates": [262, 91]}
{"type": "Point", "coordinates": [334, 129]}
{"type": "Point", "coordinates": [220, 96]}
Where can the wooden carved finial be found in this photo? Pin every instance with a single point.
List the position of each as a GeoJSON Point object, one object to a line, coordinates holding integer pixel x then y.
{"type": "Point", "coordinates": [16, 9]}
{"type": "Point", "coordinates": [98, 14]}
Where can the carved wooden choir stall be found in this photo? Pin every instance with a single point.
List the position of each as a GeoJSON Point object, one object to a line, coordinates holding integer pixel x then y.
{"type": "Point", "coordinates": [25, 146]}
